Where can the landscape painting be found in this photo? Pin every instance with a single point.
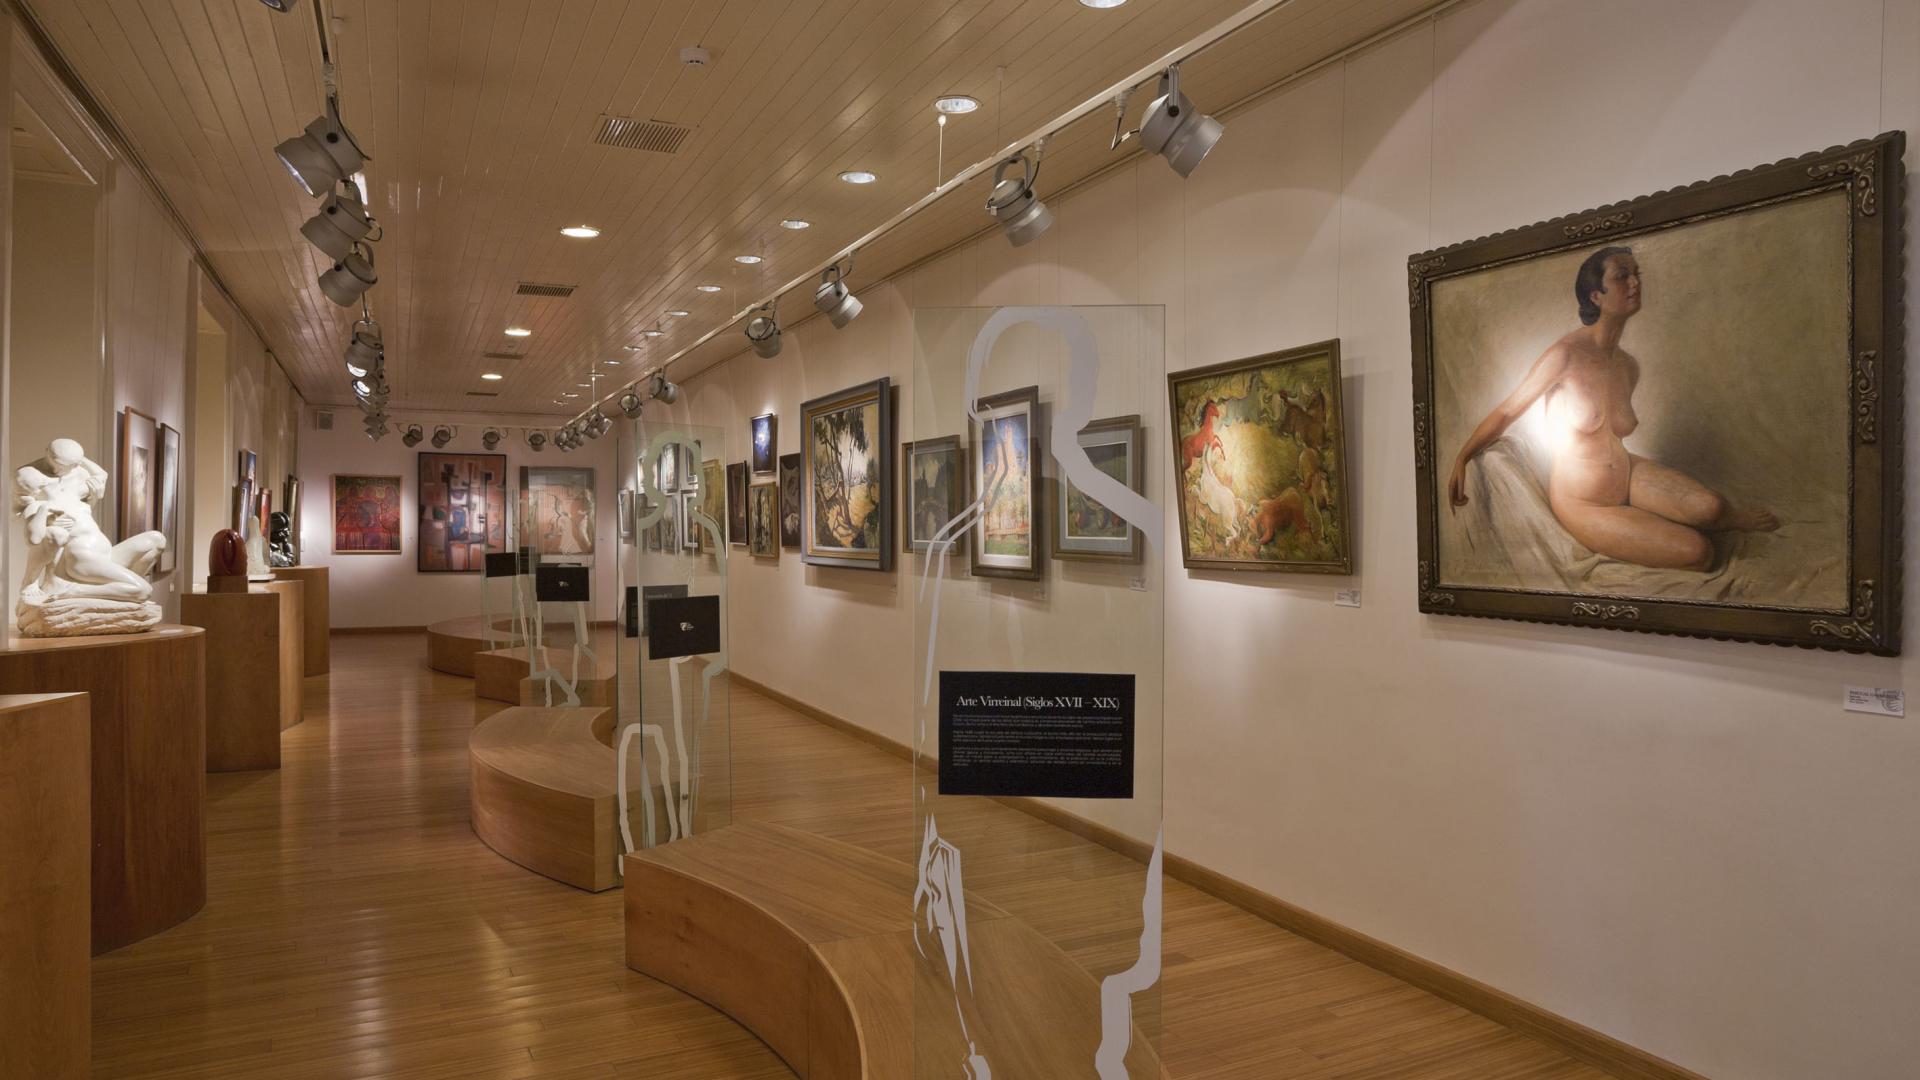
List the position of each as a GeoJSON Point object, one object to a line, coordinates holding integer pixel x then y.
{"type": "Point", "coordinates": [935, 491]}
{"type": "Point", "coordinates": [366, 515]}
{"type": "Point", "coordinates": [847, 478]}
{"type": "Point", "coordinates": [1083, 528]}
{"type": "Point", "coordinates": [1259, 463]}
{"type": "Point", "coordinates": [463, 511]}
{"type": "Point", "coordinates": [556, 509]}
{"type": "Point", "coordinates": [708, 498]}
{"type": "Point", "coordinates": [790, 500]}
{"type": "Point", "coordinates": [1680, 413]}
{"type": "Point", "coordinates": [1007, 481]}
{"type": "Point", "coordinates": [763, 525]}
{"type": "Point", "coordinates": [736, 521]}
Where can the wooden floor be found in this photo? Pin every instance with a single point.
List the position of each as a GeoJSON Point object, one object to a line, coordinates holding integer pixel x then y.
{"type": "Point", "coordinates": [356, 928]}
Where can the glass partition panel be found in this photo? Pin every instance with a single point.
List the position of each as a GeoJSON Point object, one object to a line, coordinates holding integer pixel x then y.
{"type": "Point", "coordinates": [1036, 532]}
{"type": "Point", "coordinates": [672, 734]}
{"type": "Point", "coordinates": [553, 563]}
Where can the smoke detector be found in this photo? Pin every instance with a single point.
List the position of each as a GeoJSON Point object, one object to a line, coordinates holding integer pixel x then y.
{"type": "Point", "coordinates": [695, 56]}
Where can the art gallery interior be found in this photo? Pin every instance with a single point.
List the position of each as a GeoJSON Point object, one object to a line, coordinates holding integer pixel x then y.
{"type": "Point", "coordinates": [1023, 539]}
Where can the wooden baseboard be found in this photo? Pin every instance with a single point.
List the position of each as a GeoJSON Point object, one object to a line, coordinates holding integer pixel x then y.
{"type": "Point", "coordinates": [1575, 1039]}
{"type": "Point", "coordinates": [351, 630]}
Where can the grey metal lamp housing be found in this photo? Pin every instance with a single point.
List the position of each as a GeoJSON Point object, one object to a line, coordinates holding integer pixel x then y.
{"type": "Point", "coordinates": [536, 441]}
{"type": "Point", "coordinates": [341, 222]}
{"type": "Point", "coordinates": [442, 435]}
{"type": "Point", "coordinates": [364, 353]}
{"type": "Point", "coordinates": [630, 403]}
{"type": "Point", "coordinates": [1176, 130]}
{"type": "Point", "coordinates": [1014, 205]}
{"type": "Point", "coordinates": [834, 300]}
{"type": "Point", "coordinates": [490, 438]}
{"type": "Point", "coordinates": [348, 280]}
{"type": "Point", "coordinates": [322, 155]}
{"type": "Point", "coordinates": [412, 435]}
{"type": "Point", "coordinates": [764, 332]}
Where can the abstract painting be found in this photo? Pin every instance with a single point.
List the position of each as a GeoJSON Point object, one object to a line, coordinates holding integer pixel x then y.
{"type": "Point", "coordinates": [463, 511]}
{"type": "Point", "coordinates": [556, 509]}
{"type": "Point", "coordinates": [765, 443]}
{"type": "Point", "coordinates": [1679, 414]}
{"type": "Point", "coordinates": [846, 478]}
{"type": "Point", "coordinates": [934, 489]}
{"type": "Point", "coordinates": [366, 515]}
{"type": "Point", "coordinates": [790, 500]}
{"type": "Point", "coordinates": [1007, 480]}
{"type": "Point", "coordinates": [1259, 463]}
{"type": "Point", "coordinates": [139, 468]}
{"type": "Point", "coordinates": [737, 503]}
{"type": "Point", "coordinates": [763, 524]}
{"type": "Point", "coordinates": [1082, 527]}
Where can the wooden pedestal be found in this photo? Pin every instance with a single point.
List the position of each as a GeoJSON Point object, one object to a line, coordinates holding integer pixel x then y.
{"type": "Point", "coordinates": [319, 615]}
{"type": "Point", "coordinates": [254, 664]}
{"type": "Point", "coordinates": [45, 1019]}
{"type": "Point", "coordinates": [148, 767]}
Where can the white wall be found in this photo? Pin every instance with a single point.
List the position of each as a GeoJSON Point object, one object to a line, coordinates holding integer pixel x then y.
{"type": "Point", "coordinates": [387, 590]}
{"type": "Point", "coordinates": [1684, 844]}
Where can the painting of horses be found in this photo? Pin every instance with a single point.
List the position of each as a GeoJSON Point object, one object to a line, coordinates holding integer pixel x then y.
{"type": "Point", "coordinates": [366, 515]}
{"type": "Point", "coordinates": [1260, 464]}
{"type": "Point", "coordinates": [846, 476]}
{"type": "Point", "coordinates": [1007, 480]}
{"type": "Point", "coordinates": [1679, 413]}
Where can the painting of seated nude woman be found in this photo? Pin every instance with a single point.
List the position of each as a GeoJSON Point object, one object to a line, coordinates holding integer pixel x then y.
{"type": "Point", "coordinates": [1666, 415]}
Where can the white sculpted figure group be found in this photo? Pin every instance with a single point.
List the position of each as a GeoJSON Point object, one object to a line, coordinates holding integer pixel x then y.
{"type": "Point", "coordinates": [77, 581]}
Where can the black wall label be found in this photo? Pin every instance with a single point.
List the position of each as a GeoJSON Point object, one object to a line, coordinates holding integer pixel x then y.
{"type": "Point", "coordinates": [630, 612]}
{"type": "Point", "coordinates": [1036, 733]}
{"type": "Point", "coordinates": [682, 626]}
{"type": "Point", "coordinates": [500, 563]}
{"type": "Point", "coordinates": [649, 593]}
{"type": "Point", "coordinates": [560, 584]}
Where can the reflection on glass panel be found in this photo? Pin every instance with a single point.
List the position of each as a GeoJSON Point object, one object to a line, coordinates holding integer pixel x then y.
{"type": "Point", "coordinates": [1035, 537]}
{"type": "Point", "coordinates": [672, 738]}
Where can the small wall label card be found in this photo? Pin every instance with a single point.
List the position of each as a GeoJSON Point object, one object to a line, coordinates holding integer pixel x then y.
{"type": "Point", "coordinates": [1032, 733]}
{"type": "Point", "coordinates": [682, 626]}
{"type": "Point", "coordinates": [560, 584]}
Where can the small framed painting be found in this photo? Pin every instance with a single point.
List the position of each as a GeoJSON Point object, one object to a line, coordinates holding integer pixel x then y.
{"type": "Point", "coordinates": [1007, 476]}
{"type": "Point", "coordinates": [139, 468]}
{"type": "Point", "coordinates": [625, 506]}
{"type": "Point", "coordinates": [666, 470]}
{"type": "Point", "coordinates": [765, 445]}
{"type": "Point", "coordinates": [763, 526]}
{"type": "Point", "coordinates": [737, 503]}
{"type": "Point", "coordinates": [1082, 527]}
{"type": "Point", "coordinates": [846, 478]}
{"type": "Point", "coordinates": [167, 497]}
{"type": "Point", "coordinates": [790, 500]}
{"type": "Point", "coordinates": [709, 498]}
{"type": "Point", "coordinates": [934, 490]}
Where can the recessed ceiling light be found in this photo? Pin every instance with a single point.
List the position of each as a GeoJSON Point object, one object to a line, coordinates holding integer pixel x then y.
{"type": "Point", "coordinates": [631, 348]}
{"type": "Point", "coordinates": [519, 331]}
{"type": "Point", "coordinates": [706, 288]}
{"type": "Point", "coordinates": [493, 376]}
{"type": "Point", "coordinates": [746, 260]}
{"type": "Point", "coordinates": [956, 104]}
{"type": "Point", "coordinates": [1102, 4]}
{"type": "Point", "coordinates": [610, 360]}
{"type": "Point", "coordinates": [796, 224]}
{"type": "Point", "coordinates": [569, 394]}
{"type": "Point", "coordinates": [858, 176]}
{"type": "Point", "coordinates": [677, 313]}
{"type": "Point", "coordinates": [651, 333]}
{"type": "Point", "coordinates": [580, 232]}
{"type": "Point", "coordinates": [584, 386]}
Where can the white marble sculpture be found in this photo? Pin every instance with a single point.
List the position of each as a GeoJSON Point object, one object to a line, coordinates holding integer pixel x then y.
{"type": "Point", "coordinates": [77, 581]}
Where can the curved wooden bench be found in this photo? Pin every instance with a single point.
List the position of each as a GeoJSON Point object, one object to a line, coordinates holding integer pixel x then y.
{"type": "Point", "coordinates": [543, 792]}
{"type": "Point", "coordinates": [453, 643]}
{"type": "Point", "coordinates": [506, 675]}
{"type": "Point", "coordinates": [808, 943]}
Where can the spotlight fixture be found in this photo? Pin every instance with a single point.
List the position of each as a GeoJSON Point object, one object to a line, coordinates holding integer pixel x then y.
{"type": "Point", "coordinates": [663, 391]}
{"type": "Point", "coordinates": [1176, 130]}
{"type": "Point", "coordinates": [377, 426]}
{"type": "Point", "coordinates": [322, 155]}
{"type": "Point", "coordinates": [796, 224]}
{"type": "Point", "coordinates": [536, 441]}
{"type": "Point", "coordinates": [859, 176]}
{"type": "Point", "coordinates": [598, 424]}
{"type": "Point", "coordinates": [747, 260]}
{"type": "Point", "coordinates": [834, 300]}
{"type": "Point", "coordinates": [371, 389]}
{"type": "Point", "coordinates": [342, 222]}
{"type": "Point", "coordinates": [955, 104]}
{"type": "Point", "coordinates": [630, 403]}
{"type": "Point", "coordinates": [412, 435]}
{"type": "Point", "coordinates": [1013, 203]}
{"type": "Point", "coordinates": [349, 279]}
{"type": "Point", "coordinates": [763, 331]}
{"type": "Point", "coordinates": [364, 354]}
{"type": "Point", "coordinates": [580, 232]}
{"type": "Point", "coordinates": [517, 331]}
{"type": "Point", "coordinates": [706, 288]}
{"type": "Point", "coordinates": [442, 435]}
{"type": "Point", "coordinates": [491, 437]}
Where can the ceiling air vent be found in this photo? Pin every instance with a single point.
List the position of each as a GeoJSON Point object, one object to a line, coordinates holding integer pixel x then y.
{"type": "Point", "coordinates": [538, 288]}
{"type": "Point", "coordinates": [323, 420]}
{"type": "Point", "coordinates": [652, 136]}
{"type": "Point", "coordinates": [504, 355]}
{"type": "Point", "coordinates": [483, 393]}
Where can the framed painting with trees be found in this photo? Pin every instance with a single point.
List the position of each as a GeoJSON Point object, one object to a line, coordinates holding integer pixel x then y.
{"type": "Point", "coordinates": [847, 478]}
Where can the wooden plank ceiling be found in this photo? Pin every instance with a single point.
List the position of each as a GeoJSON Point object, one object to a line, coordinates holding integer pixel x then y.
{"type": "Point", "coordinates": [478, 116]}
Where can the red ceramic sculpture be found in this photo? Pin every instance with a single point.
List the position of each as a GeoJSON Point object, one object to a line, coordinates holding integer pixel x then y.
{"type": "Point", "coordinates": [227, 555]}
